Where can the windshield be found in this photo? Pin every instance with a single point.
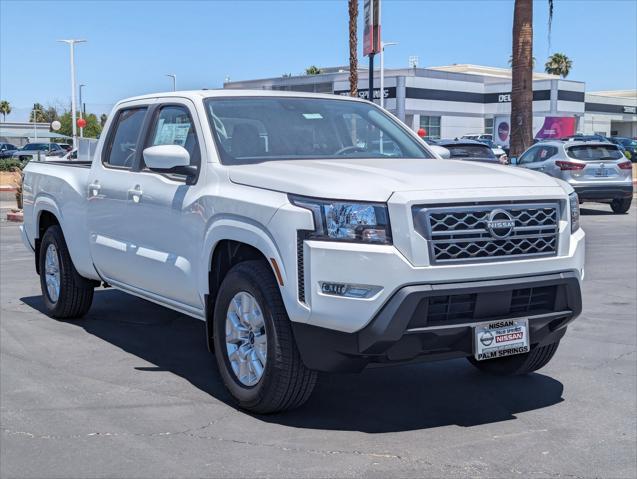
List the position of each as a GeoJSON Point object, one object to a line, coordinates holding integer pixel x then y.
{"type": "Point", "coordinates": [470, 151]}
{"type": "Point", "coordinates": [36, 147]}
{"type": "Point", "coordinates": [251, 130]}
{"type": "Point", "coordinates": [595, 152]}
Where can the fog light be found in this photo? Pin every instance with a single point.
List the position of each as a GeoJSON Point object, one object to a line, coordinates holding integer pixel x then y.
{"type": "Point", "coordinates": [348, 290]}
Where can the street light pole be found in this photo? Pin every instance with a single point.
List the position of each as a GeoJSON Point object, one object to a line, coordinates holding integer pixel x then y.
{"type": "Point", "coordinates": [382, 70]}
{"type": "Point", "coordinates": [174, 77]}
{"type": "Point", "coordinates": [71, 43]}
{"type": "Point", "coordinates": [81, 110]}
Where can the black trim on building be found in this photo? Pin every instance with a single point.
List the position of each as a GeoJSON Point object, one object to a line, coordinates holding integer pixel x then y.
{"type": "Point", "coordinates": [607, 108]}
{"type": "Point", "coordinates": [470, 97]}
{"type": "Point", "coordinates": [569, 95]}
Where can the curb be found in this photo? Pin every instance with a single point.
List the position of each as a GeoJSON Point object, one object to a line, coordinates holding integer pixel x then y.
{"type": "Point", "coordinates": [15, 216]}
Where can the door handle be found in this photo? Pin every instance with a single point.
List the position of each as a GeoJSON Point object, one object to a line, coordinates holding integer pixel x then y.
{"type": "Point", "coordinates": [135, 194]}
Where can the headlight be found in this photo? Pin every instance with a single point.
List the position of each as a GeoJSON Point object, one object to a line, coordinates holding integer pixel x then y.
{"type": "Point", "coordinates": [345, 221]}
{"type": "Point", "coordinates": [573, 202]}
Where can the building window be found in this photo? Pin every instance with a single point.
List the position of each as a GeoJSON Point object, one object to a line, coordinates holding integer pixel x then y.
{"type": "Point", "coordinates": [431, 124]}
{"type": "Point", "coordinates": [488, 126]}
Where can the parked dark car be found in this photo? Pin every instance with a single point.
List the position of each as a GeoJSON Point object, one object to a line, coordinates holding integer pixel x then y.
{"type": "Point", "coordinates": [471, 150]}
{"type": "Point", "coordinates": [32, 151]}
{"type": "Point", "coordinates": [7, 150]}
{"type": "Point", "coordinates": [629, 145]}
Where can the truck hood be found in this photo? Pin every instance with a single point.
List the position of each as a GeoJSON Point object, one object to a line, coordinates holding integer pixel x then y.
{"type": "Point", "coordinates": [376, 179]}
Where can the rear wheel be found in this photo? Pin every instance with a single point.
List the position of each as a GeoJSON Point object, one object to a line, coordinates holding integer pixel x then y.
{"type": "Point", "coordinates": [67, 295]}
{"type": "Point", "coordinates": [254, 345]}
{"type": "Point", "coordinates": [518, 364]}
{"type": "Point", "coordinates": [621, 205]}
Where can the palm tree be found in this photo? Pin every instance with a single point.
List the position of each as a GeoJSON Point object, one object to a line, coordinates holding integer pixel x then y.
{"type": "Point", "coordinates": [522, 75]}
{"type": "Point", "coordinates": [312, 70]}
{"type": "Point", "coordinates": [353, 48]}
{"type": "Point", "coordinates": [5, 109]}
{"type": "Point", "coordinates": [511, 61]}
{"type": "Point", "coordinates": [558, 64]}
{"type": "Point", "coordinates": [37, 114]}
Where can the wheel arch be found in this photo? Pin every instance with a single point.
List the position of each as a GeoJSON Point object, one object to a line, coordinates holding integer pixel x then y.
{"type": "Point", "coordinates": [229, 242]}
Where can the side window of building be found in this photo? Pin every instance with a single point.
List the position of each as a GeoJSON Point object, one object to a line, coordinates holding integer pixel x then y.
{"type": "Point", "coordinates": [122, 144]}
{"type": "Point", "coordinates": [431, 124]}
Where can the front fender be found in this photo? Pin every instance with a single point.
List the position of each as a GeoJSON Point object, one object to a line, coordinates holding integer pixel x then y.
{"type": "Point", "coordinates": [246, 231]}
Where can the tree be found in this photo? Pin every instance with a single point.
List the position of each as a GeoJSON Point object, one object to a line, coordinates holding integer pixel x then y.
{"type": "Point", "coordinates": [91, 130]}
{"type": "Point", "coordinates": [103, 118]}
{"type": "Point", "coordinates": [522, 75]}
{"type": "Point", "coordinates": [312, 70]}
{"type": "Point", "coordinates": [353, 47]}
{"type": "Point", "coordinates": [511, 61]}
{"type": "Point", "coordinates": [558, 64]}
{"type": "Point", "coordinates": [5, 109]}
{"type": "Point", "coordinates": [37, 114]}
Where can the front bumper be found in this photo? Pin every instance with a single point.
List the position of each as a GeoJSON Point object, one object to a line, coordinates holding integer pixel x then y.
{"type": "Point", "coordinates": [422, 322]}
{"type": "Point", "coordinates": [602, 192]}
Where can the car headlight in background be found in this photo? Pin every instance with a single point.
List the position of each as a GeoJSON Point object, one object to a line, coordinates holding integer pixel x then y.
{"type": "Point", "coordinates": [345, 221]}
{"type": "Point", "coordinates": [573, 202]}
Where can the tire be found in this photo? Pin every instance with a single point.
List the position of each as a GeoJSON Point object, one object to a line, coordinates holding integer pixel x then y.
{"type": "Point", "coordinates": [620, 206]}
{"type": "Point", "coordinates": [285, 382]}
{"type": "Point", "coordinates": [518, 364]}
{"type": "Point", "coordinates": [74, 293]}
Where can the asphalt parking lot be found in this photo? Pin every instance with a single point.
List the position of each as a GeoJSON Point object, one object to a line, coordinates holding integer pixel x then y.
{"type": "Point", "coordinates": [131, 391]}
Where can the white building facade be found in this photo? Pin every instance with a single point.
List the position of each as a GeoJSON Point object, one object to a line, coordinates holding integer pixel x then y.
{"type": "Point", "coordinates": [456, 100]}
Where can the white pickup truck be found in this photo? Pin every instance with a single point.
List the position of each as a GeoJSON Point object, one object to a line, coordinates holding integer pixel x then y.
{"type": "Point", "coordinates": [311, 233]}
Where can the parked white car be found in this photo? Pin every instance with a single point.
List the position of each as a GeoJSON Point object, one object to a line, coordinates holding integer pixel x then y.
{"type": "Point", "coordinates": [276, 218]}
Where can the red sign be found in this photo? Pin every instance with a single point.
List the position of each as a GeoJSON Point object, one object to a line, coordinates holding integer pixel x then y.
{"type": "Point", "coordinates": [371, 31]}
{"type": "Point", "coordinates": [81, 122]}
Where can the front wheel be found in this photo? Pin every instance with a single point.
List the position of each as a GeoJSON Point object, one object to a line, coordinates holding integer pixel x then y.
{"type": "Point", "coordinates": [67, 295]}
{"type": "Point", "coordinates": [620, 206]}
{"type": "Point", "coordinates": [254, 345]}
{"type": "Point", "coordinates": [518, 364]}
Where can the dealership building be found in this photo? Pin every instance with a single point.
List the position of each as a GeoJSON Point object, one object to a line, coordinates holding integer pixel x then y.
{"type": "Point", "coordinates": [451, 101]}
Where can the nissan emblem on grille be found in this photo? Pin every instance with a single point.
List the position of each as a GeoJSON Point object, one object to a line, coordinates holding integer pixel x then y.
{"type": "Point", "coordinates": [488, 232]}
{"type": "Point", "coordinates": [500, 223]}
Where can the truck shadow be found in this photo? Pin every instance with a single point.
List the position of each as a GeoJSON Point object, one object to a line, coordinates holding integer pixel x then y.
{"type": "Point", "coordinates": [380, 400]}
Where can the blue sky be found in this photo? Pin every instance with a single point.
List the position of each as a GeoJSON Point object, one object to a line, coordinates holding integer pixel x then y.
{"type": "Point", "coordinates": [133, 44]}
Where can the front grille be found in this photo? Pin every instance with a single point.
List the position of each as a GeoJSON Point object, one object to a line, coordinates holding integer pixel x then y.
{"type": "Point", "coordinates": [471, 233]}
{"type": "Point", "coordinates": [461, 308]}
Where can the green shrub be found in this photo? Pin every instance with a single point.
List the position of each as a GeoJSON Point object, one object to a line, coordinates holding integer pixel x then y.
{"type": "Point", "coordinates": [8, 164]}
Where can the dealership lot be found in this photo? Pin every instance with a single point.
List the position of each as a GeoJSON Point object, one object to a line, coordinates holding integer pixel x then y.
{"type": "Point", "coordinates": [131, 391]}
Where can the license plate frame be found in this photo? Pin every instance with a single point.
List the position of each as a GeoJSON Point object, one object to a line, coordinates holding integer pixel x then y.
{"type": "Point", "coordinates": [500, 338]}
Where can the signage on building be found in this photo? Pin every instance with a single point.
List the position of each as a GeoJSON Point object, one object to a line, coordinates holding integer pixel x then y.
{"type": "Point", "coordinates": [504, 98]}
{"type": "Point", "coordinates": [371, 30]}
{"type": "Point", "coordinates": [557, 127]}
{"type": "Point", "coordinates": [389, 92]}
{"type": "Point", "coordinates": [630, 109]}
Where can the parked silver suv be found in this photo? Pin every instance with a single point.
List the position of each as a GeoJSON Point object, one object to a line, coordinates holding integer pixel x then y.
{"type": "Point", "coordinates": [598, 171]}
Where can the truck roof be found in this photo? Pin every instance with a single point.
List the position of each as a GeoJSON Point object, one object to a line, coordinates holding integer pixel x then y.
{"type": "Point", "coordinates": [224, 93]}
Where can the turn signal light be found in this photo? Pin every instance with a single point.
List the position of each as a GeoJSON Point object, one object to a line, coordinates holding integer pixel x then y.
{"type": "Point", "coordinates": [567, 165]}
{"type": "Point", "coordinates": [626, 165]}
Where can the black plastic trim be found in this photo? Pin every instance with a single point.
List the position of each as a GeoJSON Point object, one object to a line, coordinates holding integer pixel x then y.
{"type": "Point", "coordinates": [387, 338]}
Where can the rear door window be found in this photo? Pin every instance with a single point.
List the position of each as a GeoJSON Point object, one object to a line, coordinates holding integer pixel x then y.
{"type": "Point", "coordinates": [122, 147]}
{"type": "Point", "coordinates": [594, 152]}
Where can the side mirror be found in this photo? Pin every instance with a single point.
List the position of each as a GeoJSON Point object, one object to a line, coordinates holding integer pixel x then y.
{"type": "Point", "coordinates": [169, 159]}
{"type": "Point", "coordinates": [440, 151]}
{"type": "Point", "coordinates": [513, 160]}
